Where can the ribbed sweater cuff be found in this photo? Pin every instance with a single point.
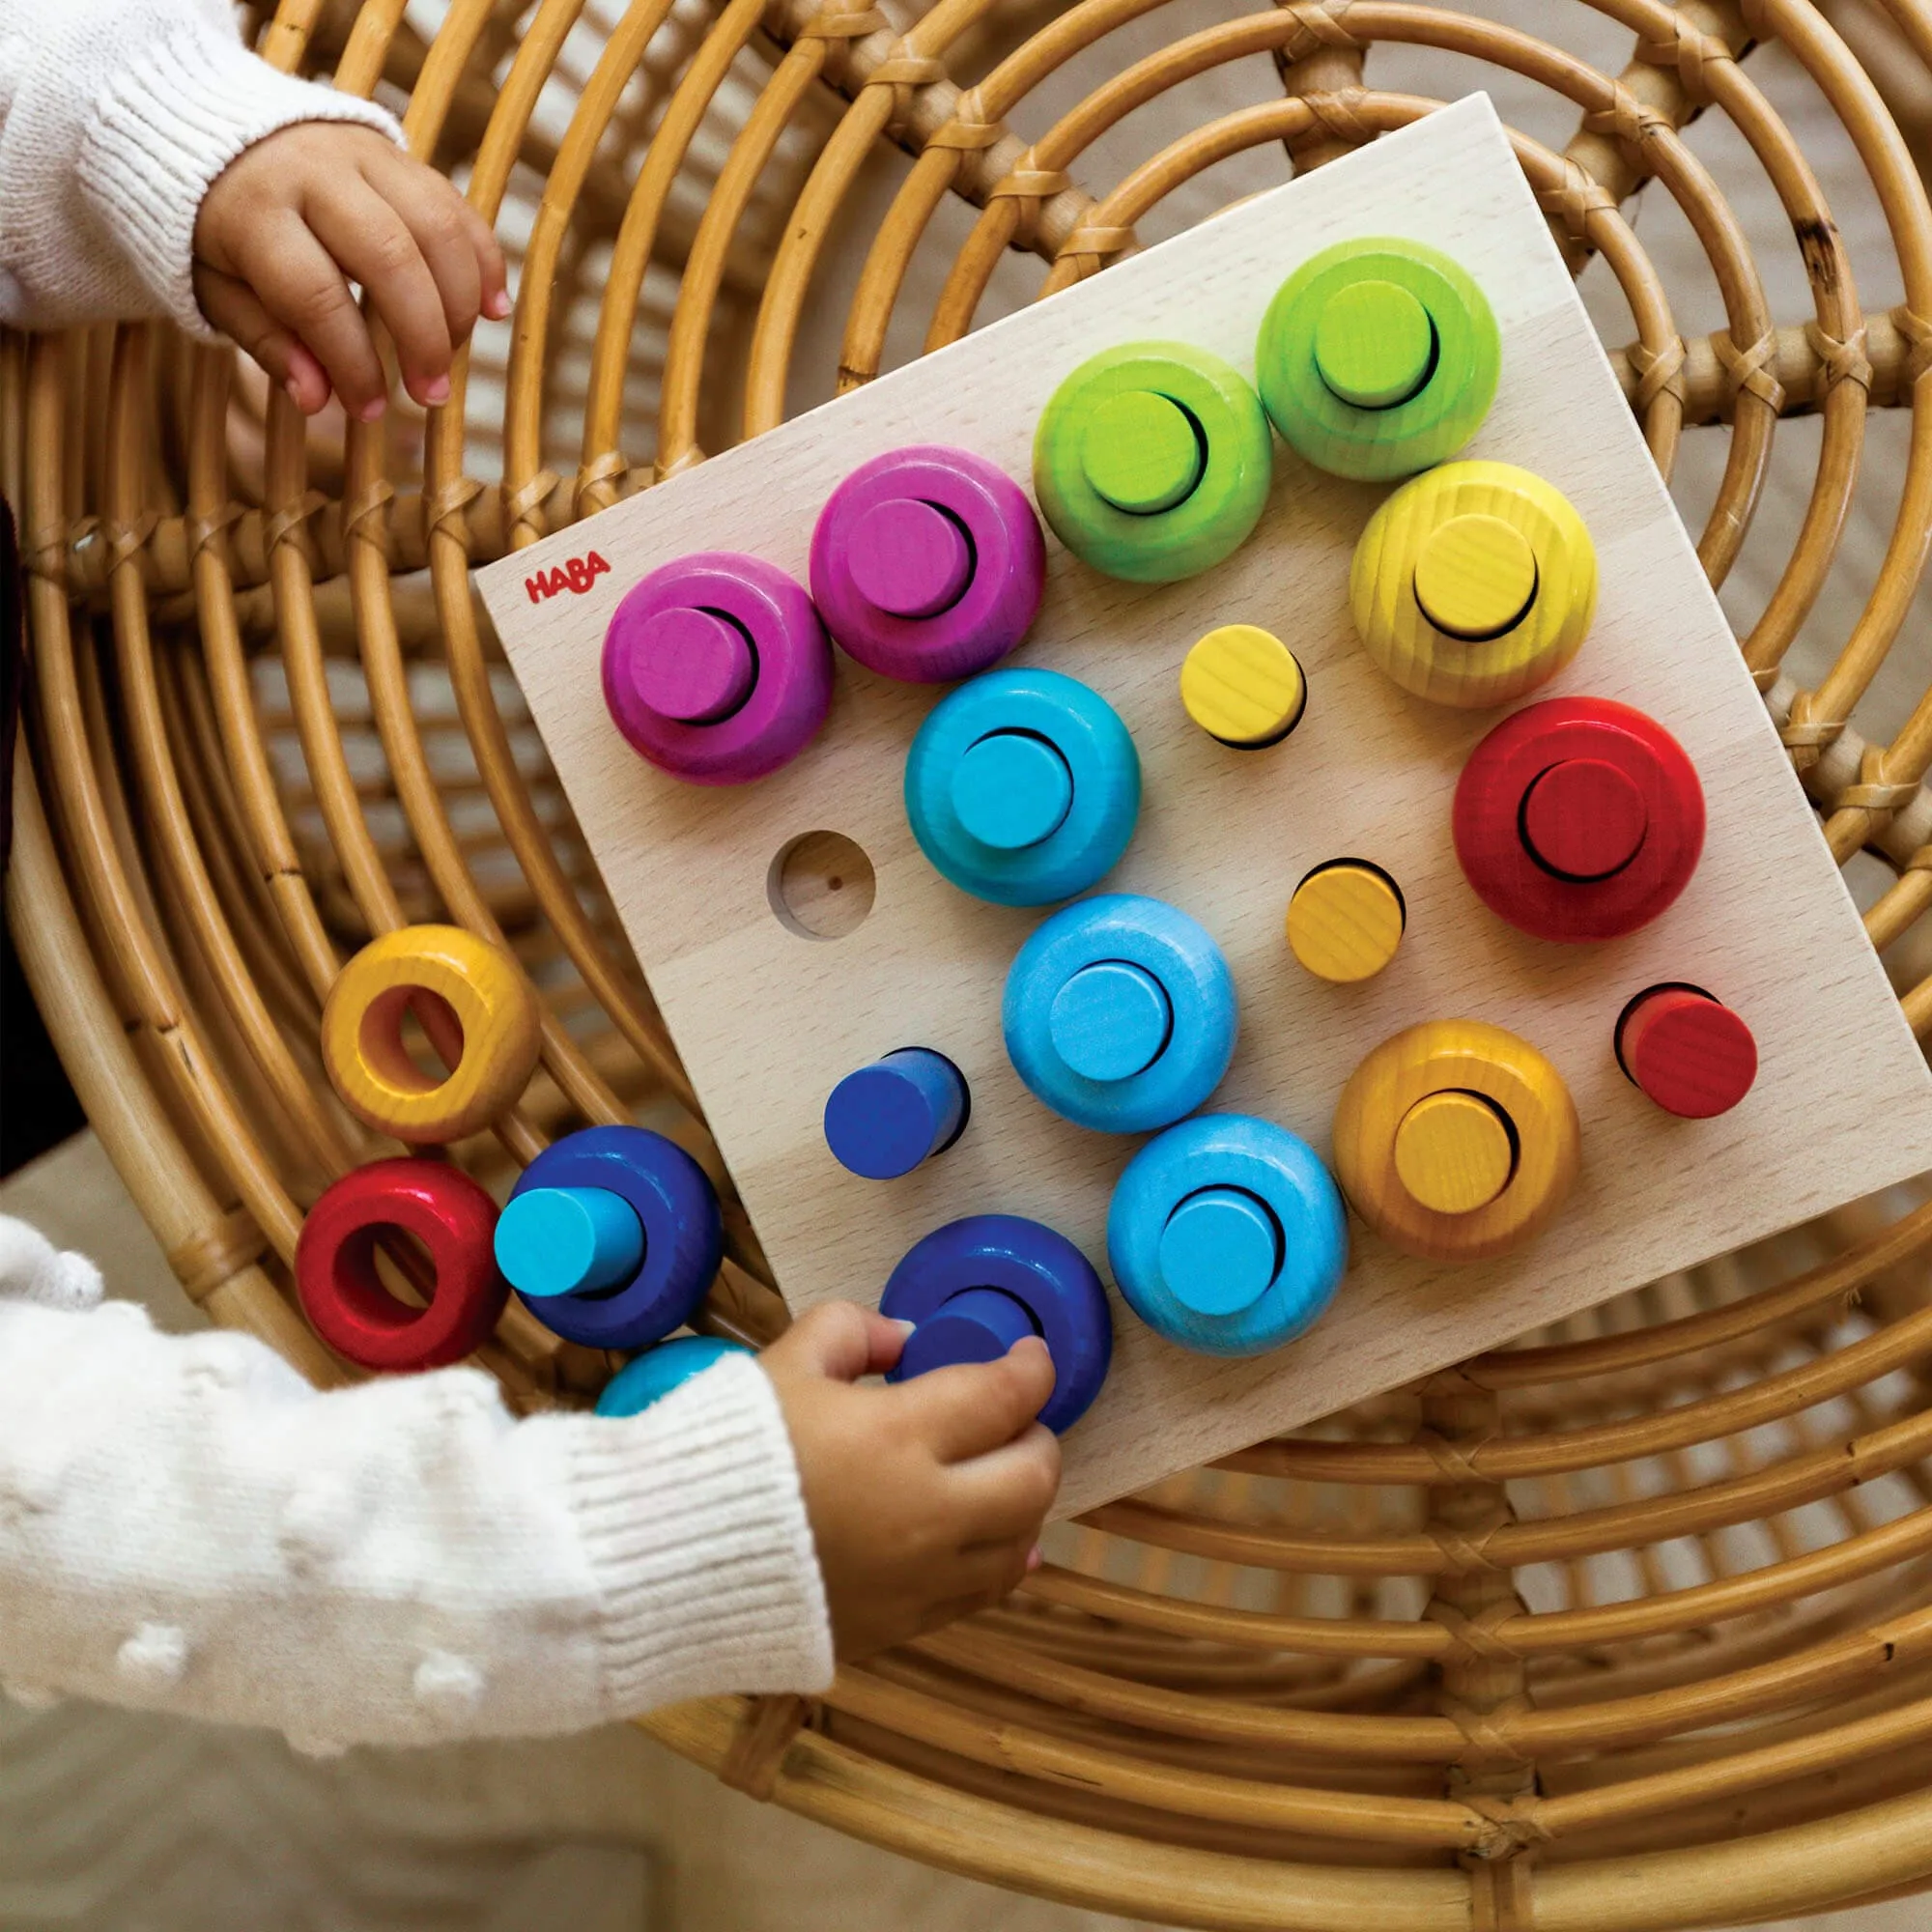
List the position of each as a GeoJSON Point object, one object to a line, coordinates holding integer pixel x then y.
{"type": "Point", "coordinates": [696, 1533]}
{"type": "Point", "coordinates": [165, 126]}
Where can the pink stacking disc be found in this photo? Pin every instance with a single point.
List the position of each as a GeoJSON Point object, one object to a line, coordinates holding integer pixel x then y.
{"type": "Point", "coordinates": [716, 667]}
{"type": "Point", "coordinates": [927, 563]}
{"type": "Point", "coordinates": [908, 558]}
{"type": "Point", "coordinates": [693, 666]}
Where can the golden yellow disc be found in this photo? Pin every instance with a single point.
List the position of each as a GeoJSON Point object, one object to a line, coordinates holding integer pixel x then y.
{"type": "Point", "coordinates": [1475, 576]}
{"type": "Point", "coordinates": [1344, 921]}
{"type": "Point", "coordinates": [1241, 685]}
{"type": "Point", "coordinates": [1453, 1153]}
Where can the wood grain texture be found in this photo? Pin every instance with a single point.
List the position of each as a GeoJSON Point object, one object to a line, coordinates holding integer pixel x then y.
{"type": "Point", "coordinates": [768, 1021]}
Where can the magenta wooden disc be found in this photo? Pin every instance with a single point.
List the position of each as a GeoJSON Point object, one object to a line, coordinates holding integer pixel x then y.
{"type": "Point", "coordinates": [692, 666]}
{"type": "Point", "coordinates": [908, 558]}
{"type": "Point", "coordinates": [927, 563]}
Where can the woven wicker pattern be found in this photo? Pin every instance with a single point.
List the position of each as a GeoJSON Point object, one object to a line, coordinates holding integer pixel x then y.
{"type": "Point", "coordinates": [1625, 1627]}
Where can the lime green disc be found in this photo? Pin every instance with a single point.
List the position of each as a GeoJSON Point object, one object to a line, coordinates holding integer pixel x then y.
{"type": "Point", "coordinates": [1374, 343]}
{"type": "Point", "coordinates": [1140, 452]}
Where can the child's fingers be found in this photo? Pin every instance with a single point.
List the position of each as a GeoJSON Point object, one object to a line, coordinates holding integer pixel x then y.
{"type": "Point", "coordinates": [444, 228]}
{"type": "Point", "coordinates": [838, 1341]}
{"type": "Point", "coordinates": [300, 285]}
{"type": "Point", "coordinates": [1007, 1492]}
{"type": "Point", "coordinates": [978, 1406]}
{"type": "Point", "coordinates": [374, 246]}
{"type": "Point", "coordinates": [232, 307]}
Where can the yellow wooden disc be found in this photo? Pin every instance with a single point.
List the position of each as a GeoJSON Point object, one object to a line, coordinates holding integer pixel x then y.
{"type": "Point", "coordinates": [1453, 1153]}
{"type": "Point", "coordinates": [1475, 576]}
{"type": "Point", "coordinates": [1241, 685]}
{"type": "Point", "coordinates": [1344, 921]}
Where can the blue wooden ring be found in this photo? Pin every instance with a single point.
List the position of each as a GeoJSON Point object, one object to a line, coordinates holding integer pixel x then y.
{"type": "Point", "coordinates": [684, 1235]}
{"type": "Point", "coordinates": [652, 1376]}
{"type": "Point", "coordinates": [1099, 755]}
{"type": "Point", "coordinates": [1262, 1162]}
{"type": "Point", "coordinates": [1038, 1267]}
{"type": "Point", "coordinates": [1177, 952]}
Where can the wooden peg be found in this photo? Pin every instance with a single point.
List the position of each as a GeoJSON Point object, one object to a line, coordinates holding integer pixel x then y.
{"type": "Point", "coordinates": [1456, 1141]}
{"type": "Point", "coordinates": [490, 1013]}
{"type": "Point", "coordinates": [1242, 685]}
{"type": "Point", "coordinates": [1345, 920]}
{"type": "Point", "coordinates": [1689, 1052]}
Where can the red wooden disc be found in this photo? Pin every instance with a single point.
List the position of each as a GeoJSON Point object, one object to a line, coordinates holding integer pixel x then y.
{"type": "Point", "coordinates": [1691, 1054]}
{"type": "Point", "coordinates": [1584, 818]}
{"type": "Point", "coordinates": [344, 1297]}
{"type": "Point", "coordinates": [1494, 819]}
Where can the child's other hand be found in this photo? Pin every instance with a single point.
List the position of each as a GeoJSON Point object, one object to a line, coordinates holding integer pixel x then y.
{"type": "Point", "coordinates": [294, 219]}
{"type": "Point", "coordinates": [925, 1496]}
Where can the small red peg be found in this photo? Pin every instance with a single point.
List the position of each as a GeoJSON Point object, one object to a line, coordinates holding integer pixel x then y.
{"type": "Point", "coordinates": [1689, 1053]}
{"type": "Point", "coordinates": [1578, 819]}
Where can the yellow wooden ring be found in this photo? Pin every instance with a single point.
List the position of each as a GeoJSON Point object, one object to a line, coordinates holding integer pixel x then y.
{"type": "Point", "coordinates": [1473, 584]}
{"type": "Point", "coordinates": [1465, 1057]}
{"type": "Point", "coordinates": [362, 1038]}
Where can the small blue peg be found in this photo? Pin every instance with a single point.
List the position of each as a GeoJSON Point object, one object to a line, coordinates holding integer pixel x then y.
{"type": "Point", "coordinates": [681, 1236]}
{"type": "Point", "coordinates": [568, 1240]}
{"type": "Point", "coordinates": [1226, 1234]}
{"type": "Point", "coordinates": [979, 1324]}
{"type": "Point", "coordinates": [1120, 1013]}
{"type": "Point", "coordinates": [884, 1120]}
{"type": "Point", "coordinates": [1023, 787]}
{"type": "Point", "coordinates": [658, 1370]}
{"type": "Point", "coordinates": [975, 1287]}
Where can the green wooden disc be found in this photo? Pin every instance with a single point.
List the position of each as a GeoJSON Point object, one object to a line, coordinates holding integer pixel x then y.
{"type": "Point", "coordinates": [1336, 358]}
{"type": "Point", "coordinates": [1140, 452]}
{"type": "Point", "coordinates": [1119, 486]}
{"type": "Point", "coordinates": [1374, 343]}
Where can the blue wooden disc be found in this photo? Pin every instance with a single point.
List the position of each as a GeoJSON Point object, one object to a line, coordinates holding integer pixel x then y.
{"type": "Point", "coordinates": [886, 1118]}
{"type": "Point", "coordinates": [653, 1374]}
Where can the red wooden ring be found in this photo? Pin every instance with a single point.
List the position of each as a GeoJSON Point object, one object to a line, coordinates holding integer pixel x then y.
{"type": "Point", "coordinates": [335, 1265]}
{"type": "Point", "coordinates": [1688, 1052]}
{"type": "Point", "coordinates": [1491, 828]}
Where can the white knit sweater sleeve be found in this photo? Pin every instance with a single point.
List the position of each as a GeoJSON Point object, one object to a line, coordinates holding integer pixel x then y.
{"type": "Point", "coordinates": [116, 116]}
{"type": "Point", "coordinates": [185, 1525]}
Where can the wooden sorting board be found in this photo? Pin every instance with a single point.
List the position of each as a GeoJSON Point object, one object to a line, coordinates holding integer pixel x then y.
{"type": "Point", "coordinates": [768, 1020]}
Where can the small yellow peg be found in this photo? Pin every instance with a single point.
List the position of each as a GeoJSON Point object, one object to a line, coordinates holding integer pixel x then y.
{"type": "Point", "coordinates": [470, 998]}
{"type": "Point", "coordinates": [1456, 1141]}
{"type": "Point", "coordinates": [1475, 576]}
{"type": "Point", "coordinates": [1242, 685]}
{"type": "Point", "coordinates": [1345, 921]}
{"type": "Point", "coordinates": [1453, 1153]}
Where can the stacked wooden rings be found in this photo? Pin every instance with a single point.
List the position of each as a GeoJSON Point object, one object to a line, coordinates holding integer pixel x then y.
{"type": "Point", "coordinates": [1378, 359]}
{"type": "Point", "coordinates": [1578, 819]}
{"type": "Point", "coordinates": [344, 1296]}
{"type": "Point", "coordinates": [1227, 1235]}
{"type": "Point", "coordinates": [927, 564]}
{"type": "Point", "coordinates": [1151, 461]}
{"type": "Point", "coordinates": [611, 1236]}
{"type": "Point", "coordinates": [1120, 1013]}
{"type": "Point", "coordinates": [976, 1286]}
{"type": "Point", "coordinates": [1023, 787]}
{"type": "Point", "coordinates": [717, 669]}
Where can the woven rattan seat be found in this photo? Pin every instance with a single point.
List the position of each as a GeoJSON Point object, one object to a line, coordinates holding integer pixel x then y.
{"type": "Point", "coordinates": [1626, 1626]}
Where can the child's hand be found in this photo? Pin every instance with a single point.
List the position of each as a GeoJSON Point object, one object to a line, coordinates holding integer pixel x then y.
{"type": "Point", "coordinates": [925, 1496]}
{"type": "Point", "coordinates": [293, 220]}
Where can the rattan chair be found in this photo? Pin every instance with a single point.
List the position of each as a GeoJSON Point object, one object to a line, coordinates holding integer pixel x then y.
{"type": "Point", "coordinates": [1626, 1626]}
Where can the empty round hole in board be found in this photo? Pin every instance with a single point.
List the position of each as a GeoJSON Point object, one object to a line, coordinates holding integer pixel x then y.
{"type": "Point", "coordinates": [821, 885]}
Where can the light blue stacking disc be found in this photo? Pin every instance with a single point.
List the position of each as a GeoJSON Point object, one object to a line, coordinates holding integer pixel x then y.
{"type": "Point", "coordinates": [658, 1370]}
{"type": "Point", "coordinates": [1110, 1020]}
{"type": "Point", "coordinates": [1219, 1251]}
{"type": "Point", "coordinates": [568, 1240]}
{"type": "Point", "coordinates": [1012, 790]}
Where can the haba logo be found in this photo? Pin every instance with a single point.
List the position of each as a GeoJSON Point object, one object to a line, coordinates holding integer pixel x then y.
{"type": "Point", "coordinates": [576, 576]}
